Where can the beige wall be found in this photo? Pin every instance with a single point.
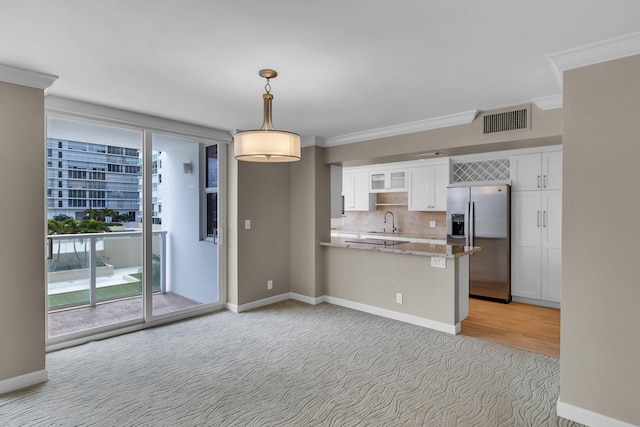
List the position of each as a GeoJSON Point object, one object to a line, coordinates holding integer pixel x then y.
{"type": "Point", "coordinates": [231, 237]}
{"type": "Point", "coordinates": [263, 252]}
{"type": "Point", "coordinates": [310, 221]}
{"type": "Point", "coordinates": [600, 332]}
{"type": "Point", "coordinates": [373, 278]}
{"type": "Point", "coordinates": [22, 165]}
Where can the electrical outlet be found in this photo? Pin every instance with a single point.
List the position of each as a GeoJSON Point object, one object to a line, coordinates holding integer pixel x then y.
{"type": "Point", "coordinates": [438, 262]}
{"type": "Point", "coordinates": [399, 297]}
{"type": "Point", "coordinates": [269, 284]}
{"type": "Point", "coordinates": [432, 224]}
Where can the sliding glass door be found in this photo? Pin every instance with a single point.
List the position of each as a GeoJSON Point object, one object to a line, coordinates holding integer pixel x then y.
{"type": "Point", "coordinates": [184, 259]}
{"type": "Point", "coordinates": [132, 229]}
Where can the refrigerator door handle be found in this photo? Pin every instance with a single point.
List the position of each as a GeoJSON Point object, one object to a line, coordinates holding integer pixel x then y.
{"type": "Point", "coordinates": [466, 223]}
{"type": "Point", "coordinates": [472, 207]}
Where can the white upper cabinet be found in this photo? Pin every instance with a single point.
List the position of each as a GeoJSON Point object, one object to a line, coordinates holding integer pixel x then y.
{"type": "Point", "coordinates": [355, 188]}
{"type": "Point", "coordinates": [387, 181]}
{"type": "Point", "coordinates": [428, 188]}
{"type": "Point", "coordinates": [552, 170]}
{"type": "Point", "coordinates": [537, 171]}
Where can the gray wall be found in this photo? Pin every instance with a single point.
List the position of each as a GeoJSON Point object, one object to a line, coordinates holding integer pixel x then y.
{"type": "Point", "coordinates": [600, 332]}
{"type": "Point", "coordinates": [22, 166]}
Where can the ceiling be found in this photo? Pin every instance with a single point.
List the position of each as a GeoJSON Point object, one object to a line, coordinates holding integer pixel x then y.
{"type": "Point", "coordinates": [345, 66]}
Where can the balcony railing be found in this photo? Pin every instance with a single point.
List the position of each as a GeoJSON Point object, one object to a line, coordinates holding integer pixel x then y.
{"type": "Point", "coordinates": [87, 269]}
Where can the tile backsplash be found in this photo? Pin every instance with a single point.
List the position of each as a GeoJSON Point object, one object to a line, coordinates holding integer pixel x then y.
{"type": "Point", "coordinates": [407, 222]}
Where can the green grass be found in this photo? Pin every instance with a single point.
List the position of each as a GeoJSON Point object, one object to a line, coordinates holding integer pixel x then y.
{"type": "Point", "coordinates": [108, 292]}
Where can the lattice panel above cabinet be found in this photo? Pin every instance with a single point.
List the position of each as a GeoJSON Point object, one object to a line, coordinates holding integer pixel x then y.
{"type": "Point", "coordinates": [483, 170]}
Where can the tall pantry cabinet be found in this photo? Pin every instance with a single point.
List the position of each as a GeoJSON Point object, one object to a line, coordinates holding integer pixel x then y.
{"type": "Point", "coordinates": [536, 238]}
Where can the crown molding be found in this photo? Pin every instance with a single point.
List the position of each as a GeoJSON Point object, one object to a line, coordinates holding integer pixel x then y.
{"type": "Point", "coordinates": [594, 53]}
{"type": "Point", "coordinates": [548, 102]}
{"type": "Point", "coordinates": [24, 77]}
{"type": "Point", "coordinates": [309, 141]}
{"type": "Point", "coordinates": [418, 126]}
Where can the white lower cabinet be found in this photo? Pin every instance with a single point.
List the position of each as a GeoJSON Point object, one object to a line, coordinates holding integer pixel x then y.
{"type": "Point", "coordinates": [536, 247]}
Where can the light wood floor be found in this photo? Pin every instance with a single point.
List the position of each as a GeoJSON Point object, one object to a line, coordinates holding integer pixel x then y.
{"type": "Point", "coordinates": [523, 326]}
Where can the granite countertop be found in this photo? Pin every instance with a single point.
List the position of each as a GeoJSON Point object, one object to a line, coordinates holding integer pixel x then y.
{"type": "Point", "coordinates": [407, 248]}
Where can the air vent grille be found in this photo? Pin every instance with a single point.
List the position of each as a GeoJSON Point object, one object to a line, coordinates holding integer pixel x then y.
{"type": "Point", "coordinates": [509, 120]}
{"type": "Point", "coordinates": [484, 170]}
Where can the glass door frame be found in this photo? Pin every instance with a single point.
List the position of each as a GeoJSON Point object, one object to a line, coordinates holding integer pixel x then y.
{"type": "Point", "coordinates": [83, 112]}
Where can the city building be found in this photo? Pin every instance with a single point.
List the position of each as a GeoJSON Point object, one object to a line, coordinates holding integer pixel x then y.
{"type": "Point", "coordinates": [83, 175]}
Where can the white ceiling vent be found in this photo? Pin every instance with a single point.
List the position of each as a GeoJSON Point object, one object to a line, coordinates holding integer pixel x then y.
{"type": "Point", "coordinates": [504, 121]}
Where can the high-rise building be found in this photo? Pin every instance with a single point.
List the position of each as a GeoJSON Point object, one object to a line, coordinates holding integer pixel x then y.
{"type": "Point", "coordinates": [82, 176]}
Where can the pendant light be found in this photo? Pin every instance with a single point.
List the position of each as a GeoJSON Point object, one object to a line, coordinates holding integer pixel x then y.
{"type": "Point", "coordinates": [267, 144]}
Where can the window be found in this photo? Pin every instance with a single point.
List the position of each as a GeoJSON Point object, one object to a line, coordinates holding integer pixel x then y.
{"type": "Point", "coordinates": [211, 191]}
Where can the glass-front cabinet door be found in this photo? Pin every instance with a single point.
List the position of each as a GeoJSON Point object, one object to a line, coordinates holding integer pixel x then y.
{"type": "Point", "coordinates": [388, 181]}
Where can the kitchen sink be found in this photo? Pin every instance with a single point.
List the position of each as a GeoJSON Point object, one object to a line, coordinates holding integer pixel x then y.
{"type": "Point", "coordinates": [379, 242]}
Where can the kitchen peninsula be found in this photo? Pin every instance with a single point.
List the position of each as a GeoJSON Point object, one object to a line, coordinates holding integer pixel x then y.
{"type": "Point", "coordinates": [426, 284]}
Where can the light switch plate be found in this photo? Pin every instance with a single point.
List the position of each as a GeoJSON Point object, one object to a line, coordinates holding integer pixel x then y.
{"type": "Point", "coordinates": [247, 224]}
{"type": "Point", "coordinates": [432, 224]}
{"type": "Point", "coordinates": [438, 262]}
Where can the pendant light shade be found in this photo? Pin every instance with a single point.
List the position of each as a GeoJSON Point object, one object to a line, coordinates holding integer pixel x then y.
{"type": "Point", "coordinates": [267, 144]}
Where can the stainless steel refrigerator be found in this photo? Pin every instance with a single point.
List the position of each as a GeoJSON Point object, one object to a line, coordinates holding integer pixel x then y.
{"type": "Point", "coordinates": [480, 216]}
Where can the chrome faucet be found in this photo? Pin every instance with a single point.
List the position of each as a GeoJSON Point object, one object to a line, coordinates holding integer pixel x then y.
{"type": "Point", "coordinates": [393, 221]}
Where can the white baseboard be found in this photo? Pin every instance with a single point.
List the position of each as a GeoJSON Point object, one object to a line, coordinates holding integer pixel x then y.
{"type": "Point", "coordinates": [538, 302]}
{"type": "Point", "coordinates": [272, 300]}
{"type": "Point", "coordinates": [262, 302]}
{"type": "Point", "coordinates": [390, 314]}
{"type": "Point", "coordinates": [306, 299]}
{"type": "Point", "coordinates": [22, 381]}
{"type": "Point", "coordinates": [587, 417]}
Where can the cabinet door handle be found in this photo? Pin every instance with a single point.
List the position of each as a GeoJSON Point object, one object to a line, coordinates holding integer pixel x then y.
{"type": "Point", "coordinates": [538, 218]}
{"type": "Point", "coordinates": [545, 181]}
{"type": "Point", "coordinates": [538, 181]}
{"type": "Point", "coordinates": [544, 218]}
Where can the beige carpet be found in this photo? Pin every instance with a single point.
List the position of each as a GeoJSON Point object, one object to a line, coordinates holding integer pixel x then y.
{"type": "Point", "coordinates": [290, 364]}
